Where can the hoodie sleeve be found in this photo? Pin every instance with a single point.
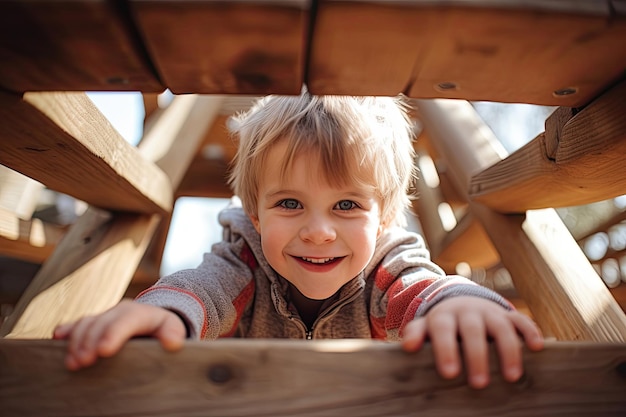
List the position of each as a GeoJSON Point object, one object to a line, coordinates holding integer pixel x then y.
{"type": "Point", "coordinates": [212, 297]}
{"type": "Point", "coordinates": [406, 284]}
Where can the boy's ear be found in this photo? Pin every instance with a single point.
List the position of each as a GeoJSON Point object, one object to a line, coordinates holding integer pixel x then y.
{"type": "Point", "coordinates": [255, 222]}
{"type": "Point", "coordinates": [381, 228]}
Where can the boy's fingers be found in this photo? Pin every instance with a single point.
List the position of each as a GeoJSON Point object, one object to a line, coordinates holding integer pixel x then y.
{"type": "Point", "coordinates": [473, 334]}
{"type": "Point", "coordinates": [131, 321]}
{"type": "Point", "coordinates": [508, 347]}
{"type": "Point", "coordinates": [77, 356]}
{"type": "Point", "coordinates": [171, 333]}
{"type": "Point", "coordinates": [442, 329]}
{"type": "Point", "coordinates": [414, 335]}
{"type": "Point", "coordinates": [529, 331]}
{"type": "Point", "coordinates": [122, 324]}
{"type": "Point", "coordinates": [62, 331]}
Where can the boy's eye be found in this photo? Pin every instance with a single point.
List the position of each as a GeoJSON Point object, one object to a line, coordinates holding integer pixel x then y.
{"type": "Point", "coordinates": [346, 205]}
{"type": "Point", "coordinates": [289, 203]}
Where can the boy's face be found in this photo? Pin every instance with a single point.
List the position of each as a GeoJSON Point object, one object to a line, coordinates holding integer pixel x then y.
{"type": "Point", "coordinates": [316, 236]}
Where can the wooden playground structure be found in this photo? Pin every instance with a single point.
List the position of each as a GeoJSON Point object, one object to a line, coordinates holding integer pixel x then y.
{"type": "Point", "coordinates": [216, 56]}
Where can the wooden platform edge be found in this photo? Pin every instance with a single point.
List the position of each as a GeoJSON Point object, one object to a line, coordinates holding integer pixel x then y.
{"type": "Point", "coordinates": [258, 377]}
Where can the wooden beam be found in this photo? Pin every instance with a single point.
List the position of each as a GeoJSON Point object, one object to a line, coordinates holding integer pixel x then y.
{"type": "Point", "coordinates": [173, 139]}
{"type": "Point", "coordinates": [71, 46]}
{"type": "Point", "coordinates": [278, 377]}
{"type": "Point", "coordinates": [550, 272]}
{"type": "Point", "coordinates": [467, 240]}
{"type": "Point", "coordinates": [28, 240]}
{"type": "Point", "coordinates": [87, 274]}
{"type": "Point", "coordinates": [63, 141]}
{"type": "Point", "coordinates": [578, 160]}
{"type": "Point", "coordinates": [208, 171]}
{"type": "Point", "coordinates": [469, 243]}
{"type": "Point", "coordinates": [552, 53]}
{"type": "Point", "coordinates": [210, 47]}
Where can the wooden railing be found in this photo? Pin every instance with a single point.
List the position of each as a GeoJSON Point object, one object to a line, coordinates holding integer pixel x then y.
{"type": "Point", "coordinates": [303, 378]}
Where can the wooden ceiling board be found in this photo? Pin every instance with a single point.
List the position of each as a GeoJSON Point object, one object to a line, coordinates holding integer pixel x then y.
{"type": "Point", "coordinates": [363, 49]}
{"type": "Point", "coordinates": [507, 54]}
{"type": "Point", "coordinates": [78, 45]}
{"type": "Point", "coordinates": [218, 47]}
{"type": "Point", "coordinates": [522, 56]}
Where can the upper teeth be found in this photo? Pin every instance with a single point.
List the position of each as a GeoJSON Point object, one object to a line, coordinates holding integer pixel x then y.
{"type": "Point", "coordinates": [317, 260]}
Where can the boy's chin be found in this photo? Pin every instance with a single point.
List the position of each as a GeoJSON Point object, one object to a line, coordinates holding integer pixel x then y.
{"type": "Point", "coordinates": [316, 294]}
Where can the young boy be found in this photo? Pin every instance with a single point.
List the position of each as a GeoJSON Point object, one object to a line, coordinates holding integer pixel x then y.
{"type": "Point", "coordinates": [317, 251]}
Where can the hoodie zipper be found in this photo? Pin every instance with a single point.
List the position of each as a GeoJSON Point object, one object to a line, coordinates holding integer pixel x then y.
{"type": "Point", "coordinates": [326, 315]}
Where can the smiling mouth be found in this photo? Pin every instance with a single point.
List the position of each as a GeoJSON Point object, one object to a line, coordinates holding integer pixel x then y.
{"type": "Point", "coordinates": [318, 261]}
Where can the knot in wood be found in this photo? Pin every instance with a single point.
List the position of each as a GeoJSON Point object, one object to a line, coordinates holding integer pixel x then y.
{"type": "Point", "coordinates": [220, 374]}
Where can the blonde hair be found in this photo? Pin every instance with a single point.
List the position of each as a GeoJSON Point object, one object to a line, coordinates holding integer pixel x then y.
{"type": "Point", "coordinates": [359, 140]}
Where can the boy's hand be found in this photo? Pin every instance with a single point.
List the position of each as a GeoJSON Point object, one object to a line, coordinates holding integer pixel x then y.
{"type": "Point", "coordinates": [104, 335]}
{"type": "Point", "coordinates": [474, 320]}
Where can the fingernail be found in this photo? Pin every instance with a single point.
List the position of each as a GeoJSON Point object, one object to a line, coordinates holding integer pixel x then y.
{"type": "Point", "coordinates": [513, 373]}
{"type": "Point", "coordinates": [449, 370]}
{"type": "Point", "coordinates": [479, 381]}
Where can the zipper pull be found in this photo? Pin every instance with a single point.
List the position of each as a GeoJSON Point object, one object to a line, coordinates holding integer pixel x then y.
{"type": "Point", "coordinates": [309, 335]}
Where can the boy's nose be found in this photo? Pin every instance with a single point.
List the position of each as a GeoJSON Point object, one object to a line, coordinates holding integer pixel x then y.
{"type": "Point", "coordinates": [318, 230]}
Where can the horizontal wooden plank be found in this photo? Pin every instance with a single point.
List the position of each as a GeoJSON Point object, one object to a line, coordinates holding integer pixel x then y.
{"type": "Point", "coordinates": [468, 50]}
{"type": "Point", "coordinates": [579, 161]}
{"type": "Point", "coordinates": [217, 47]}
{"type": "Point", "coordinates": [303, 378]}
{"type": "Point", "coordinates": [63, 141]}
{"type": "Point", "coordinates": [558, 53]}
{"type": "Point", "coordinates": [71, 45]}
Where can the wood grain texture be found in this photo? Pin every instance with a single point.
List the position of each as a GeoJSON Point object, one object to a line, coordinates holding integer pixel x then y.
{"type": "Point", "coordinates": [551, 273]}
{"type": "Point", "coordinates": [578, 160]}
{"type": "Point", "coordinates": [494, 51]}
{"type": "Point", "coordinates": [217, 47]}
{"type": "Point", "coordinates": [298, 378]}
{"type": "Point", "coordinates": [467, 242]}
{"type": "Point", "coordinates": [87, 273]}
{"type": "Point", "coordinates": [63, 141]}
{"type": "Point", "coordinates": [173, 138]}
{"type": "Point", "coordinates": [208, 171]}
{"type": "Point", "coordinates": [71, 46]}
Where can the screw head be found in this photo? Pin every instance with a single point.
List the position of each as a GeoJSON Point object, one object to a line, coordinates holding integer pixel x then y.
{"type": "Point", "coordinates": [446, 86]}
{"type": "Point", "coordinates": [567, 91]}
